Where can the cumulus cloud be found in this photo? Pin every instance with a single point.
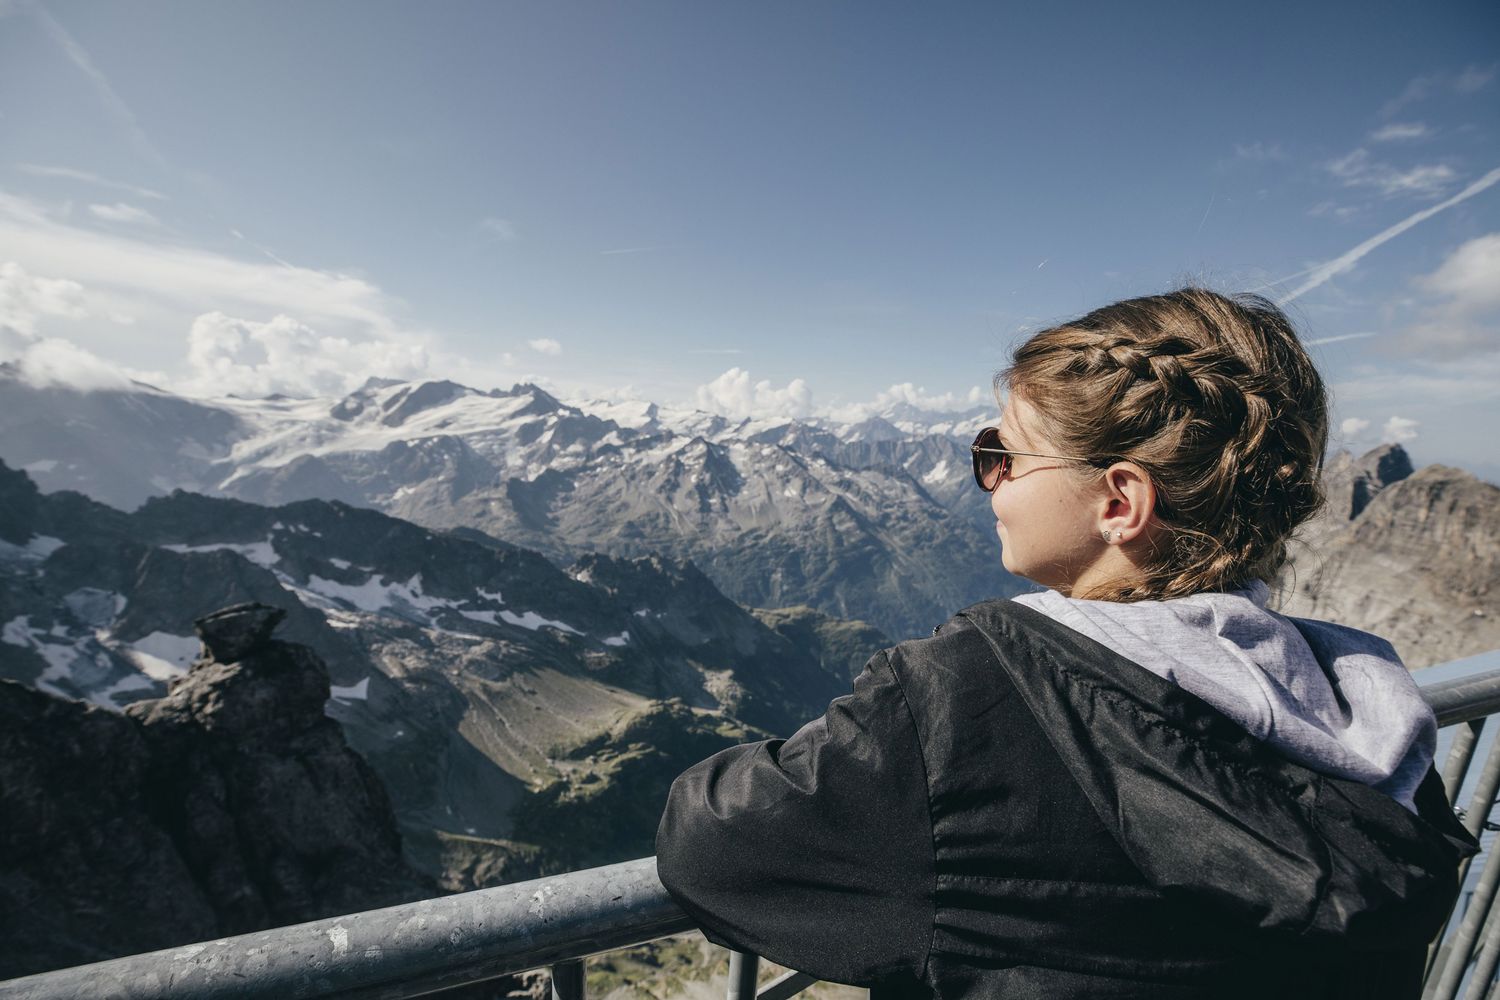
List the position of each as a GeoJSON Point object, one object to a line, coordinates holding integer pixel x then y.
{"type": "Point", "coordinates": [734, 395]}
{"type": "Point", "coordinates": [121, 212]}
{"type": "Point", "coordinates": [545, 345]}
{"type": "Point", "coordinates": [246, 358]}
{"type": "Point", "coordinates": [1398, 430]}
{"type": "Point", "coordinates": [26, 298]}
{"type": "Point", "coordinates": [1400, 132]}
{"type": "Point", "coordinates": [25, 301]}
{"type": "Point", "coordinates": [1465, 316]}
{"type": "Point", "coordinates": [1359, 169]}
{"type": "Point", "coordinates": [52, 361]}
{"type": "Point", "coordinates": [1353, 427]}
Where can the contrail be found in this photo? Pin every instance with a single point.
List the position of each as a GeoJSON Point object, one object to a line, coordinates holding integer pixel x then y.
{"type": "Point", "coordinates": [116, 107]}
{"type": "Point", "coordinates": [1335, 340]}
{"type": "Point", "coordinates": [1342, 263]}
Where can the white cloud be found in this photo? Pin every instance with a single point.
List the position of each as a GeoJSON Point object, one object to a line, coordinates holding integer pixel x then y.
{"type": "Point", "coordinates": [1465, 318]}
{"type": "Point", "coordinates": [1470, 275]}
{"type": "Point", "coordinates": [1399, 430]}
{"type": "Point", "coordinates": [139, 269]}
{"type": "Point", "coordinates": [121, 212]}
{"type": "Point", "coordinates": [1473, 79]}
{"type": "Point", "coordinates": [909, 394]}
{"type": "Point", "coordinates": [1358, 169]}
{"type": "Point", "coordinates": [25, 298]}
{"type": "Point", "coordinates": [545, 345]}
{"type": "Point", "coordinates": [1322, 273]}
{"type": "Point", "coordinates": [1422, 87]}
{"type": "Point", "coordinates": [242, 357]}
{"type": "Point", "coordinates": [1333, 210]}
{"type": "Point", "coordinates": [499, 229]}
{"type": "Point", "coordinates": [1353, 427]}
{"type": "Point", "coordinates": [52, 361]}
{"type": "Point", "coordinates": [1400, 132]}
{"type": "Point", "coordinates": [734, 395]}
{"type": "Point", "coordinates": [1259, 152]}
{"type": "Point", "coordinates": [68, 173]}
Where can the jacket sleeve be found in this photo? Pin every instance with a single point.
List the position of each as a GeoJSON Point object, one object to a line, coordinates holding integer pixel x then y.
{"type": "Point", "coordinates": [815, 852]}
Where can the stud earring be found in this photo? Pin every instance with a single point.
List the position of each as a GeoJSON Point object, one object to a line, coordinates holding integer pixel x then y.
{"type": "Point", "coordinates": [1106, 536]}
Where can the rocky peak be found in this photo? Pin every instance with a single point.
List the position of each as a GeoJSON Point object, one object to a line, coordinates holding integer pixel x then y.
{"type": "Point", "coordinates": [230, 634]}
{"type": "Point", "coordinates": [1375, 471]}
{"type": "Point", "coordinates": [231, 805]}
{"type": "Point", "coordinates": [1351, 483]}
{"type": "Point", "coordinates": [19, 498]}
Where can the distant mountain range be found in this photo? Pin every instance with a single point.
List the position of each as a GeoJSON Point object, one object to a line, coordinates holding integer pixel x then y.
{"type": "Point", "coordinates": [474, 676]}
{"type": "Point", "coordinates": [875, 520]}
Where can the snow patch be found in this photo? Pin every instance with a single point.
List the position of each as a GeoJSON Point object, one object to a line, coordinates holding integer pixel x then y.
{"type": "Point", "coordinates": [488, 617]}
{"type": "Point", "coordinates": [40, 465]}
{"type": "Point", "coordinates": [43, 546]}
{"type": "Point", "coordinates": [260, 553]}
{"type": "Point", "coordinates": [618, 640]}
{"type": "Point", "coordinates": [938, 474]}
{"type": "Point", "coordinates": [354, 692]}
{"type": "Point", "coordinates": [340, 563]}
{"type": "Point", "coordinates": [533, 621]}
{"type": "Point", "coordinates": [162, 655]}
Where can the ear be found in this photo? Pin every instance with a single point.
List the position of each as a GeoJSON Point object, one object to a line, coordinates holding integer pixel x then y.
{"type": "Point", "coordinates": [1128, 503]}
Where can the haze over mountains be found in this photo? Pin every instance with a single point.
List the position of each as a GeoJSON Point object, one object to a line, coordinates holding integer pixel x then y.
{"type": "Point", "coordinates": [876, 520]}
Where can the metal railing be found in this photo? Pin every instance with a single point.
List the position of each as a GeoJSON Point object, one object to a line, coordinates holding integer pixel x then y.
{"type": "Point", "coordinates": [418, 948]}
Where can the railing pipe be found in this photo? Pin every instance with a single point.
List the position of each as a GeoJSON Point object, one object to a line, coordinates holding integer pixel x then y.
{"type": "Point", "coordinates": [1460, 756]}
{"type": "Point", "coordinates": [1464, 698]}
{"type": "Point", "coordinates": [416, 948]}
{"type": "Point", "coordinates": [396, 952]}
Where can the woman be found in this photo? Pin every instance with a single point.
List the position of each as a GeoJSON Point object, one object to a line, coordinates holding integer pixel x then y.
{"type": "Point", "coordinates": [1139, 782]}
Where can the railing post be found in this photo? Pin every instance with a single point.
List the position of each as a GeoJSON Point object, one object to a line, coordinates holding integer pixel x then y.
{"type": "Point", "coordinates": [743, 970]}
{"type": "Point", "coordinates": [1453, 959]}
{"type": "Point", "coordinates": [567, 980]}
{"type": "Point", "coordinates": [1460, 754]}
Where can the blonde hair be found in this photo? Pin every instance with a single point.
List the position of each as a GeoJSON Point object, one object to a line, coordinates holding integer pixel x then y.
{"type": "Point", "coordinates": [1216, 399]}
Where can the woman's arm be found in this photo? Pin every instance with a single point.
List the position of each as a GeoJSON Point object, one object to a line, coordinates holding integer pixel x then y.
{"type": "Point", "coordinates": [815, 852]}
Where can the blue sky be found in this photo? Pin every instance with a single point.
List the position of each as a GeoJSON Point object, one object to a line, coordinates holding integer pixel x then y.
{"type": "Point", "coordinates": [760, 207]}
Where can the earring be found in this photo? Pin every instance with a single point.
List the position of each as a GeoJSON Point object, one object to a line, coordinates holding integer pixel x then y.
{"type": "Point", "coordinates": [1106, 536]}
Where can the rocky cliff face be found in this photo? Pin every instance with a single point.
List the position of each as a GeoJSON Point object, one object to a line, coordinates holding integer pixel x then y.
{"type": "Point", "coordinates": [229, 805]}
{"type": "Point", "coordinates": [466, 671]}
{"type": "Point", "coordinates": [1410, 555]}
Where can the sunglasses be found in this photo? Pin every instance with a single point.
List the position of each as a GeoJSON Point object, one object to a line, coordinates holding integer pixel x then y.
{"type": "Point", "coordinates": [992, 459]}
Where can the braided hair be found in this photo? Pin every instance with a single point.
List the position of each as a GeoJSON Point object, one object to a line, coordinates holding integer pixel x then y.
{"type": "Point", "coordinates": [1216, 399]}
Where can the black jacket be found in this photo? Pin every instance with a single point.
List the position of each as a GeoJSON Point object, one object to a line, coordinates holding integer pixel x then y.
{"type": "Point", "coordinates": [1010, 809]}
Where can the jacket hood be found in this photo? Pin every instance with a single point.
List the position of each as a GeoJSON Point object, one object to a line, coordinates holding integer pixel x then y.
{"type": "Point", "coordinates": [1206, 809]}
{"type": "Point", "coordinates": [1335, 699]}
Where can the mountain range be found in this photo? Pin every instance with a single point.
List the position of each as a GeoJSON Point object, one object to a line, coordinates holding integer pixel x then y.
{"type": "Point", "coordinates": [493, 693]}
{"type": "Point", "coordinates": [876, 520]}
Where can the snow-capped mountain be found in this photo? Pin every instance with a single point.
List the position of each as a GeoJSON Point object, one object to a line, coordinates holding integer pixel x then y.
{"type": "Point", "coordinates": [876, 519]}
{"type": "Point", "coordinates": [472, 675]}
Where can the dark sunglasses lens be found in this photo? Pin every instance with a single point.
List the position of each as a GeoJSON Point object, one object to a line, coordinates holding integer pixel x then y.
{"type": "Point", "coordinates": [989, 467]}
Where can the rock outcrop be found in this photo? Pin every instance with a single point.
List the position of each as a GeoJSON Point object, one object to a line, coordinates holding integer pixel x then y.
{"type": "Point", "coordinates": [230, 805]}
{"type": "Point", "coordinates": [1411, 556]}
